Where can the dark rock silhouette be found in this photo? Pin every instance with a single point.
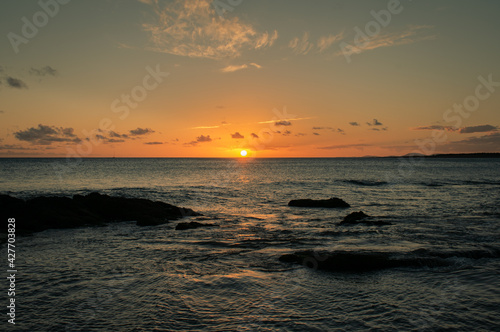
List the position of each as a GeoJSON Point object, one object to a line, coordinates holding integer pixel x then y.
{"type": "Point", "coordinates": [192, 225]}
{"type": "Point", "coordinates": [361, 218]}
{"type": "Point", "coordinates": [43, 213]}
{"type": "Point", "coordinates": [325, 203]}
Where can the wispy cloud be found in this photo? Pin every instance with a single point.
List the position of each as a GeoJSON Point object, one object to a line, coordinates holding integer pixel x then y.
{"type": "Point", "coordinates": [274, 121]}
{"type": "Point", "coordinates": [44, 71]}
{"type": "Point", "coordinates": [154, 143]}
{"type": "Point", "coordinates": [233, 68]}
{"type": "Point", "coordinates": [301, 45]}
{"type": "Point", "coordinates": [435, 127]}
{"type": "Point", "coordinates": [354, 124]}
{"type": "Point", "coordinates": [304, 45]}
{"type": "Point", "coordinates": [345, 146]}
{"type": "Point", "coordinates": [223, 123]}
{"type": "Point", "coordinates": [326, 42]}
{"type": "Point", "coordinates": [478, 129]}
{"type": "Point", "coordinates": [409, 36]}
{"type": "Point", "coordinates": [485, 143]}
{"type": "Point", "coordinates": [193, 29]}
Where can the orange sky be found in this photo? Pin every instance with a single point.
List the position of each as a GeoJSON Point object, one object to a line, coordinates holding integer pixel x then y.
{"type": "Point", "coordinates": [280, 79]}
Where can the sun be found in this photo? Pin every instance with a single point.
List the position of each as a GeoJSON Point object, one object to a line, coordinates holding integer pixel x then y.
{"type": "Point", "coordinates": [243, 153]}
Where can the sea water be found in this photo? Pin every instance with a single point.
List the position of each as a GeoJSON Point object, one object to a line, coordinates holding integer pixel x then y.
{"type": "Point", "coordinates": [122, 277]}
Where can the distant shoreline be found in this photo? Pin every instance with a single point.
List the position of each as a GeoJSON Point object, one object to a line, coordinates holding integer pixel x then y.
{"type": "Point", "coordinates": [441, 155]}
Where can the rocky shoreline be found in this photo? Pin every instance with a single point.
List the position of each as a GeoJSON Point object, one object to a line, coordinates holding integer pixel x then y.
{"type": "Point", "coordinates": [94, 209]}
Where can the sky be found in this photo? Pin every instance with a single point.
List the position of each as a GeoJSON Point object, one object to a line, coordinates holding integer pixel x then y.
{"type": "Point", "coordinates": [281, 78]}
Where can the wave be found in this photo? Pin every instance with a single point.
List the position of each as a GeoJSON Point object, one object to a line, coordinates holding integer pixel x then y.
{"type": "Point", "coordinates": [366, 182]}
{"type": "Point", "coordinates": [350, 261]}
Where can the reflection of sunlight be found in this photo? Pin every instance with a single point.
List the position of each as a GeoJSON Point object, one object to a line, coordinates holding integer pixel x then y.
{"type": "Point", "coordinates": [243, 178]}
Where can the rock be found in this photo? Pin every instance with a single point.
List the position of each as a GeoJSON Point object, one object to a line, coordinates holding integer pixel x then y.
{"type": "Point", "coordinates": [42, 213]}
{"type": "Point", "coordinates": [354, 217]}
{"type": "Point", "coordinates": [192, 225]}
{"type": "Point", "coordinates": [360, 218]}
{"type": "Point", "coordinates": [326, 203]}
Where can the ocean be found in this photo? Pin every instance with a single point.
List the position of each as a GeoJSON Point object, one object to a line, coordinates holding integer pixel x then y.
{"type": "Point", "coordinates": [444, 216]}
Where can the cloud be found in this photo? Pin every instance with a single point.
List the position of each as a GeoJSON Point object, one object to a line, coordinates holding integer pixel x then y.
{"type": "Point", "coordinates": [477, 129]}
{"type": "Point", "coordinates": [355, 124]}
{"type": "Point", "coordinates": [327, 41]}
{"type": "Point", "coordinates": [16, 83]}
{"type": "Point", "coordinates": [237, 135]}
{"type": "Point", "coordinates": [115, 134]}
{"type": "Point", "coordinates": [287, 133]}
{"type": "Point", "coordinates": [485, 143]}
{"type": "Point", "coordinates": [340, 131]}
{"type": "Point", "coordinates": [206, 127]}
{"type": "Point", "coordinates": [232, 68]}
{"type": "Point", "coordinates": [193, 29]}
{"type": "Point", "coordinates": [254, 135]}
{"type": "Point", "coordinates": [274, 121]}
{"type": "Point", "coordinates": [15, 147]}
{"type": "Point", "coordinates": [153, 143]}
{"type": "Point", "coordinates": [300, 134]}
{"type": "Point", "coordinates": [44, 71]}
{"type": "Point", "coordinates": [374, 122]}
{"type": "Point", "coordinates": [203, 138]}
{"type": "Point", "coordinates": [46, 135]}
{"type": "Point", "coordinates": [141, 131]}
{"type": "Point", "coordinates": [346, 146]}
{"type": "Point", "coordinates": [200, 139]}
{"type": "Point", "coordinates": [317, 134]}
{"type": "Point", "coordinates": [2, 112]}
{"type": "Point", "coordinates": [385, 40]}
{"type": "Point", "coordinates": [435, 127]}
{"type": "Point", "coordinates": [321, 128]}
{"type": "Point", "coordinates": [301, 45]}
{"type": "Point", "coordinates": [283, 123]}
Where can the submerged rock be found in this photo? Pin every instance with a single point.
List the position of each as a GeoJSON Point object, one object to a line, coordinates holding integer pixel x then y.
{"type": "Point", "coordinates": [192, 225]}
{"type": "Point", "coordinates": [361, 218]}
{"type": "Point", "coordinates": [43, 213]}
{"type": "Point", "coordinates": [325, 203]}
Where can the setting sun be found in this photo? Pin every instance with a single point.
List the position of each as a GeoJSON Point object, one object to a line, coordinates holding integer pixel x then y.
{"type": "Point", "coordinates": [243, 153]}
